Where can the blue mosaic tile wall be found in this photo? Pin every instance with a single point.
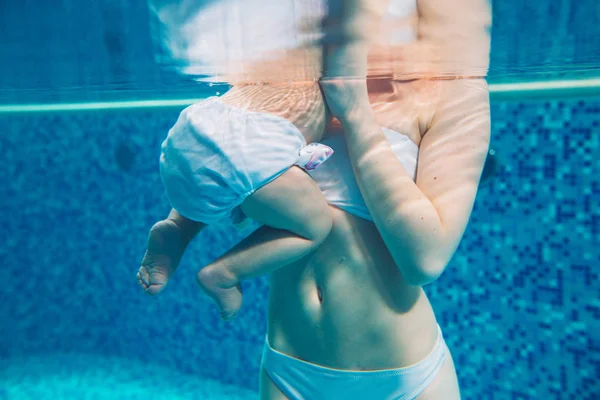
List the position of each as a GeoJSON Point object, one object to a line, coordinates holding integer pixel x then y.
{"type": "Point", "coordinates": [519, 305]}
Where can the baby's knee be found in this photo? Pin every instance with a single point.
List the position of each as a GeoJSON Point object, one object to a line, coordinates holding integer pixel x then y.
{"type": "Point", "coordinates": [318, 222]}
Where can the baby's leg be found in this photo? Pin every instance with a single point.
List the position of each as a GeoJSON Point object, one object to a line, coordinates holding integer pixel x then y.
{"type": "Point", "coordinates": [296, 220]}
{"type": "Point", "coordinates": [167, 241]}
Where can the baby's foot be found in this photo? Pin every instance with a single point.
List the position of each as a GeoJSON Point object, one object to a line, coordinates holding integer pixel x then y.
{"type": "Point", "coordinates": [224, 289]}
{"type": "Point", "coordinates": [165, 248]}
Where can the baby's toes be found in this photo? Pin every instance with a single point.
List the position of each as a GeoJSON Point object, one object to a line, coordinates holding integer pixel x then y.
{"type": "Point", "coordinates": [143, 278]}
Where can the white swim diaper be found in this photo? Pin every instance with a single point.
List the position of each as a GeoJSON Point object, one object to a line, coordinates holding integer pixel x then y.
{"type": "Point", "coordinates": [216, 155]}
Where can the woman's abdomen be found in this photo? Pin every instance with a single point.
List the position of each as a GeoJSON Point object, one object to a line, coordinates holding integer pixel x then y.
{"type": "Point", "coordinates": [347, 306]}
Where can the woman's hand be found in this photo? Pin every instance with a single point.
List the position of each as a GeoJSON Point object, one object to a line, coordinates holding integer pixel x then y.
{"type": "Point", "coordinates": [346, 98]}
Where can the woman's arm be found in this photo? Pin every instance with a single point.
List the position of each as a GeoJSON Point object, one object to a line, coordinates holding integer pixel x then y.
{"type": "Point", "coordinates": [420, 223]}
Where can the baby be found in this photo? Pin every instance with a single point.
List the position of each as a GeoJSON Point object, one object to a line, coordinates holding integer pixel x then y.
{"type": "Point", "coordinates": [242, 155]}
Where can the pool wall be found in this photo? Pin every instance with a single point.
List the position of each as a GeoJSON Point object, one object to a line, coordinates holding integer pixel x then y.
{"type": "Point", "coordinates": [519, 304]}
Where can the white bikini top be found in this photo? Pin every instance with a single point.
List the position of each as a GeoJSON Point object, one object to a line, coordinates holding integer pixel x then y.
{"type": "Point", "coordinates": [335, 177]}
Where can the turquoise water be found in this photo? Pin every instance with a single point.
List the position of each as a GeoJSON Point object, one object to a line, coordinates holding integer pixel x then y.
{"type": "Point", "coordinates": [62, 376]}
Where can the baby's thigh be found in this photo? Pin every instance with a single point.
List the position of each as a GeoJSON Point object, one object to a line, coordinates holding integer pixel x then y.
{"type": "Point", "coordinates": [293, 202]}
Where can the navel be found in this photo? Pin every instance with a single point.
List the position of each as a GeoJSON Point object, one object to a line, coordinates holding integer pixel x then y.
{"type": "Point", "coordinates": [320, 294]}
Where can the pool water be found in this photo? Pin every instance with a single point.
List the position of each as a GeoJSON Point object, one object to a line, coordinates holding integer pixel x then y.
{"type": "Point", "coordinates": [62, 376]}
